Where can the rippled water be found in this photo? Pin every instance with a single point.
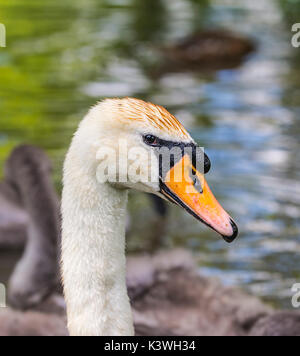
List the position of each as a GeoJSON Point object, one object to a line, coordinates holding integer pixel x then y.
{"type": "Point", "coordinates": [62, 56]}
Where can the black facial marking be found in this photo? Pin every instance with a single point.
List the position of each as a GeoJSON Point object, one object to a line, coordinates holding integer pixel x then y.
{"type": "Point", "coordinates": [197, 156]}
{"type": "Point", "coordinates": [207, 163]}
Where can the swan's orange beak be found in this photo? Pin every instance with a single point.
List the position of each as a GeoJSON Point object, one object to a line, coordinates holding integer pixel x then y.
{"type": "Point", "coordinates": [188, 188]}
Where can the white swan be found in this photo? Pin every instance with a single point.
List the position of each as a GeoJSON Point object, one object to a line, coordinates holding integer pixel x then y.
{"type": "Point", "coordinates": [93, 228]}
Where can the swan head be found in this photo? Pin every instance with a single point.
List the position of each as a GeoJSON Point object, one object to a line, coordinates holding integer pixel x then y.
{"type": "Point", "coordinates": [139, 145]}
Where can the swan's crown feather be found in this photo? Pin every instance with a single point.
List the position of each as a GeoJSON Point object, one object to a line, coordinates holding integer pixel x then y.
{"type": "Point", "coordinates": [147, 114]}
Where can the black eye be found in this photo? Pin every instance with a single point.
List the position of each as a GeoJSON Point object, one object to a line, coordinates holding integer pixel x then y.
{"type": "Point", "coordinates": [150, 140]}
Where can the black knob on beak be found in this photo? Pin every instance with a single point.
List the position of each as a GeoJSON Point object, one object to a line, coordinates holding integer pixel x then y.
{"type": "Point", "coordinates": [207, 164]}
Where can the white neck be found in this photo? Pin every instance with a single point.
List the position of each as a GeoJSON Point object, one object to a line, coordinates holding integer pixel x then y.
{"type": "Point", "coordinates": [93, 253]}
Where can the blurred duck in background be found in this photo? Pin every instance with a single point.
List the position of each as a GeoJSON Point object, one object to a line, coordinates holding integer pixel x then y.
{"type": "Point", "coordinates": [13, 218]}
{"type": "Point", "coordinates": [208, 50]}
{"type": "Point", "coordinates": [29, 200]}
{"type": "Point", "coordinates": [27, 176]}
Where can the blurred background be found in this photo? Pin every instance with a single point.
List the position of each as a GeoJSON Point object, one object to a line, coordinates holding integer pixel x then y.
{"type": "Point", "coordinates": [63, 56]}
